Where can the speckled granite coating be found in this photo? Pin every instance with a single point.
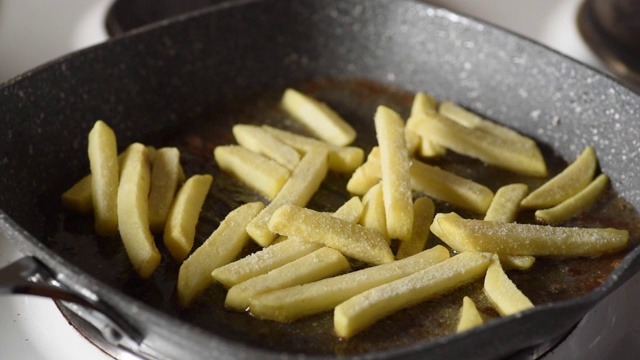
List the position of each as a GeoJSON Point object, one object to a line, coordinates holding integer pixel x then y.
{"type": "Point", "coordinates": [180, 70]}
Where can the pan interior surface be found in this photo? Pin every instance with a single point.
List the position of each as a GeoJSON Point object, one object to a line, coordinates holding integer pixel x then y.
{"type": "Point", "coordinates": [186, 83]}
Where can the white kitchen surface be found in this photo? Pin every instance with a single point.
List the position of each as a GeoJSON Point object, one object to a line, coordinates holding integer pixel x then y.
{"type": "Point", "coordinates": [33, 32]}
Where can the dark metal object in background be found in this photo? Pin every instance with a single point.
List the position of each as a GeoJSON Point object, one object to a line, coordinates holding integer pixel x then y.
{"type": "Point", "coordinates": [183, 71]}
{"type": "Point", "coordinates": [612, 29]}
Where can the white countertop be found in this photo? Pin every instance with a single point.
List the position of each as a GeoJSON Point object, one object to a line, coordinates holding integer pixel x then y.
{"type": "Point", "coordinates": [35, 31]}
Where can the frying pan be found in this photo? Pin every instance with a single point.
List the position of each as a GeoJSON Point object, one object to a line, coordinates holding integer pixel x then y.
{"type": "Point", "coordinates": [184, 81]}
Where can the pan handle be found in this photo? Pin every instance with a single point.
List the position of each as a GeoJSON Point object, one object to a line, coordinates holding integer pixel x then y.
{"type": "Point", "coordinates": [30, 276]}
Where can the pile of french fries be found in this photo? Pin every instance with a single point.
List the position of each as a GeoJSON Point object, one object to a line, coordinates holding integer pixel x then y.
{"type": "Point", "coordinates": [305, 264]}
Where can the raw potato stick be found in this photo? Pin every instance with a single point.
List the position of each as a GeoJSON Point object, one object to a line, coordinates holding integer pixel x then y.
{"type": "Point", "coordinates": [292, 303]}
{"type": "Point", "coordinates": [321, 119]}
{"type": "Point", "coordinates": [78, 197]}
{"type": "Point", "coordinates": [506, 298]}
{"type": "Point", "coordinates": [424, 104]}
{"type": "Point", "coordinates": [318, 265]}
{"type": "Point", "coordinates": [298, 190]}
{"type": "Point", "coordinates": [526, 239]}
{"type": "Point", "coordinates": [394, 167]}
{"type": "Point", "coordinates": [469, 316]}
{"type": "Point", "coordinates": [103, 159]}
{"type": "Point", "coordinates": [252, 169]}
{"type": "Point", "coordinates": [166, 173]}
{"type": "Point", "coordinates": [363, 310]}
{"type": "Point", "coordinates": [353, 240]}
{"type": "Point", "coordinates": [222, 247]}
{"type": "Point", "coordinates": [575, 204]}
{"type": "Point", "coordinates": [423, 212]}
{"type": "Point", "coordinates": [180, 229]}
{"type": "Point", "coordinates": [257, 139]}
{"type": "Point", "coordinates": [133, 211]}
{"type": "Point", "coordinates": [373, 215]}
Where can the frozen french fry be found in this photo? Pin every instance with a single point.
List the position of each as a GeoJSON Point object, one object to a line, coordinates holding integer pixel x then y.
{"type": "Point", "coordinates": [394, 167]}
{"type": "Point", "coordinates": [459, 114]}
{"type": "Point", "coordinates": [222, 247]}
{"type": "Point", "coordinates": [506, 203]}
{"type": "Point", "coordinates": [575, 204]}
{"type": "Point", "coordinates": [518, 156]}
{"type": "Point", "coordinates": [423, 104]}
{"type": "Point", "coordinates": [133, 211]}
{"type": "Point", "coordinates": [423, 212]}
{"type": "Point", "coordinates": [292, 303]}
{"type": "Point", "coordinates": [342, 159]}
{"type": "Point", "coordinates": [502, 292]}
{"type": "Point", "coordinates": [256, 171]}
{"type": "Point", "coordinates": [526, 239]}
{"type": "Point", "coordinates": [353, 240]}
{"type": "Point", "coordinates": [469, 316]}
{"type": "Point", "coordinates": [257, 139]}
{"type": "Point", "coordinates": [318, 265]}
{"type": "Point", "coordinates": [364, 309]}
{"type": "Point", "coordinates": [165, 179]}
{"type": "Point", "coordinates": [373, 215]}
{"type": "Point", "coordinates": [78, 198]}
{"type": "Point", "coordinates": [567, 183]}
{"type": "Point", "coordinates": [180, 228]}
{"type": "Point", "coordinates": [366, 175]}
{"type": "Point", "coordinates": [298, 190]}
{"type": "Point", "coordinates": [318, 117]}
{"type": "Point", "coordinates": [103, 159]}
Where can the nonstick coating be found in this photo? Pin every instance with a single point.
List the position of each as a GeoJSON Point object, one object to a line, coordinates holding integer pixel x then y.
{"type": "Point", "coordinates": [153, 80]}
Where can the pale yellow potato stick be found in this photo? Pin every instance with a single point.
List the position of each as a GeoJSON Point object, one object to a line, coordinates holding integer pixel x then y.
{"type": "Point", "coordinates": [424, 104]}
{"type": "Point", "coordinates": [257, 139]}
{"type": "Point", "coordinates": [412, 140]}
{"type": "Point", "coordinates": [575, 204]}
{"type": "Point", "coordinates": [394, 166]}
{"type": "Point", "coordinates": [298, 190]}
{"type": "Point", "coordinates": [341, 159]}
{"type": "Point", "coordinates": [180, 228]}
{"type": "Point", "coordinates": [222, 247]}
{"type": "Point", "coordinates": [258, 172]}
{"type": "Point", "coordinates": [423, 212]}
{"type": "Point", "coordinates": [165, 179]}
{"type": "Point", "coordinates": [133, 211]}
{"type": "Point", "coordinates": [78, 197]}
{"type": "Point", "coordinates": [263, 261]}
{"type": "Point", "coordinates": [506, 203]}
{"type": "Point", "coordinates": [373, 215]}
{"type": "Point", "coordinates": [506, 298]}
{"type": "Point", "coordinates": [459, 114]}
{"type": "Point", "coordinates": [103, 159]}
{"type": "Point", "coordinates": [526, 239]}
{"type": "Point", "coordinates": [426, 148]}
{"type": "Point", "coordinates": [318, 265]}
{"type": "Point", "coordinates": [292, 303]}
{"type": "Point", "coordinates": [569, 182]}
{"type": "Point", "coordinates": [318, 117]}
{"type": "Point", "coordinates": [353, 240]}
{"type": "Point", "coordinates": [519, 157]}
{"type": "Point", "coordinates": [366, 175]}
{"type": "Point", "coordinates": [469, 316]}
{"type": "Point", "coordinates": [518, 262]}
{"type": "Point", "coordinates": [364, 309]}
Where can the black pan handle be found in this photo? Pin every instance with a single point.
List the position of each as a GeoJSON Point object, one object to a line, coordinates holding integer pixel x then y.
{"type": "Point", "coordinates": [30, 276]}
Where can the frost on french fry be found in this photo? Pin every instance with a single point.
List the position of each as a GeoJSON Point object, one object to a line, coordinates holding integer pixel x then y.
{"type": "Point", "coordinates": [318, 117]}
{"type": "Point", "coordinates": [353, 240]}
{"type": "Point", "coordinates": [254, 170]}
{"type": "Point", "coordinates": [166, 173]}
{"type": "Point", "coordinates": [469, 316]}
{"type": "Point", "coordinates": [180, 228]}
{"type": "Point", "coordinates": [423, 212]}
{"type": "Point", "coordinates": [318, 265]}
{"type": "Point", "coordinates": [575, 204]}
{"type": "Point", "coordinates": [342, 159]}
{"type": "Point", "coordinates": [569, 182]}
{"type": "Point", "coordinates": [103, 159]}
{"type": "Point", "coordinates": [506, 298]}
{"type": "Point", "coordinates": [298, 190]}
{"type": "Point", "coordinates": [220, 248]}
{"type": "Point", "coordinates": [292, 303]}
{"type": "Point", "coordinates": [394, 168]}
{"type": "Point", "coordinates": [257, 139]}
{"type": "Point", "coordinates": [363, 310]}
{"type": "Point", "coordinates": [526, 239]}
{"type": "Point", "coordinates": [133, 211]}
